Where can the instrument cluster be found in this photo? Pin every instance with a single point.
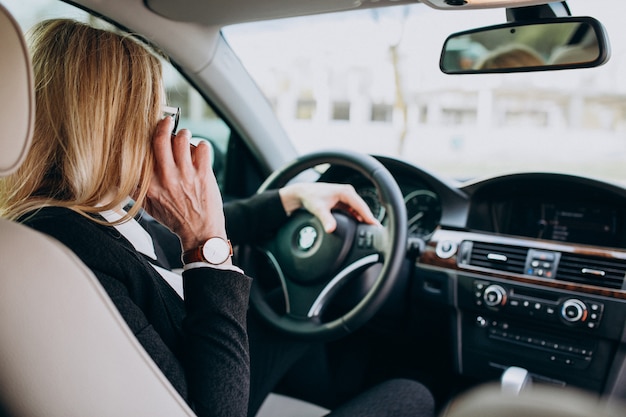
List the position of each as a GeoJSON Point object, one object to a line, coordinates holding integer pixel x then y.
{"type": "Point", "coordinates": [423, 208]}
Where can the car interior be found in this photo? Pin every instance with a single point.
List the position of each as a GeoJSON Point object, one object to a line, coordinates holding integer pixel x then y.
{"type": "Point", "coordinates": [501, 290]}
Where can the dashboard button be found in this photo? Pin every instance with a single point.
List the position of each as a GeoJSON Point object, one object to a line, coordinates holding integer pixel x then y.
{"type": "Point", "coordinates": [446, 249]}
{"type": "Point", "coordinates": [495, 295]}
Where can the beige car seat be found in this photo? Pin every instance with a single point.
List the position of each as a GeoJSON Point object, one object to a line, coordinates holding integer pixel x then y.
{"type": "Point", "coordinates": [64, 349]}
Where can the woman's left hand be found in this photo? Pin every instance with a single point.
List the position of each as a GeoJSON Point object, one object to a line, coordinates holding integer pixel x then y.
{"type": "Point", "coordinates": [320, 198]}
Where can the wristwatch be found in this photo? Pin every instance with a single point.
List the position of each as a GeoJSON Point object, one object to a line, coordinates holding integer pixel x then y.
{"type": "Point", "coordinates": [214, 251]}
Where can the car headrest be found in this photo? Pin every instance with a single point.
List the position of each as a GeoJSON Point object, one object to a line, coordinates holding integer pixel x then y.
{"type": "Point", "coordinates": [17, 95]}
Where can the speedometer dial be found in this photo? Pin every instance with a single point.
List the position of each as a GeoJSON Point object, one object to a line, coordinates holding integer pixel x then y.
{"type": "Point", "coordinates": [370, 196]}
{"type": "Point", "coordinates": [423, 211]}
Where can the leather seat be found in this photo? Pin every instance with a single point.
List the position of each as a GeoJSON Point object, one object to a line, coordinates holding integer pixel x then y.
{"type": "Point", "coordinates": [64, 349]}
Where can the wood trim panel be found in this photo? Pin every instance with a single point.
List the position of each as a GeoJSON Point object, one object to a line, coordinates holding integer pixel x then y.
{"type": "Point", "coordinates": [454, 238]}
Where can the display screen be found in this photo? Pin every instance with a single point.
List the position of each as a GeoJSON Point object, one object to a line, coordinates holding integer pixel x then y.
{"type": "Point", "coordinates": [566, 222]}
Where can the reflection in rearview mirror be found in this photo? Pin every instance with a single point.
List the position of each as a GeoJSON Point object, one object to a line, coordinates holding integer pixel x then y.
{"type": "Point", "coordinates": [562, 43]}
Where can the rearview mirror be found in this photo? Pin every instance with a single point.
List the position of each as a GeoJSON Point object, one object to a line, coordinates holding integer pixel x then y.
{"type": "Point", "coordinates": [547, 44]}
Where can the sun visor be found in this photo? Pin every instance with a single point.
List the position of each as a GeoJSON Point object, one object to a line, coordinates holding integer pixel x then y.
{"type": "Point", "coordinates": [238, 11]}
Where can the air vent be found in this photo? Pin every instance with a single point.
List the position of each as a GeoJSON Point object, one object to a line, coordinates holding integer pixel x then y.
{"type": "Point", "coordinates": [591, 270]}
{"type": "Point", "coordinates": [500, 257]}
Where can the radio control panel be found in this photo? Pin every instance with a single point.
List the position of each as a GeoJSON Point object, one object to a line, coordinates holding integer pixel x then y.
{"type": "Point", "coordinates": [569, 311]}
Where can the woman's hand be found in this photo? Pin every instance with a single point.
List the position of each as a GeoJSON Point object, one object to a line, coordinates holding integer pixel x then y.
{"type": "Point", "coordinates": [183, 193]}
{"type": "Point", "coordinates": [320, 198]}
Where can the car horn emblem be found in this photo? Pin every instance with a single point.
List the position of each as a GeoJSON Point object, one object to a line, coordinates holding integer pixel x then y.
{"type": "Point", "coordinates": [306, 238]}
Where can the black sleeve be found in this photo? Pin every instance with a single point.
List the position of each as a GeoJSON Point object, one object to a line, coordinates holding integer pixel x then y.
{"type": "Point", "coordinates": [252, 219]}
{"type": "Point", "coordinates": [217, 356]}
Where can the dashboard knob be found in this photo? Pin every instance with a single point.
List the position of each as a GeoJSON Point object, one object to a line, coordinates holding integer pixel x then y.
{"type": "Point", "coordinates": [574, 310]}
{"type": "Point", "coordinates": [494, 295]}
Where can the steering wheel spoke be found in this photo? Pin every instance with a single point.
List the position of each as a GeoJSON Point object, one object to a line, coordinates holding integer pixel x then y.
{"type": "Point", "coordinates": [338, 281]}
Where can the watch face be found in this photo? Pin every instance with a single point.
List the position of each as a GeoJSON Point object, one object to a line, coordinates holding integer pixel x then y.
{"type": "Point", "coordinates": [216, 251]}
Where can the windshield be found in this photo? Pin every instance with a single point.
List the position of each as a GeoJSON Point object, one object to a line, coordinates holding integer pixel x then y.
{"type": "Point", "coordinates": [370, 81]}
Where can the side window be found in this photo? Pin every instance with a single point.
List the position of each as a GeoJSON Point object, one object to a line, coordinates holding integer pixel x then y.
{"type": "Point", "coordinates": [197, 116]}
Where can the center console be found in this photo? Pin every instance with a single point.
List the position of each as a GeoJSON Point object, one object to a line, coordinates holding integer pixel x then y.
{"type": "Point", "coordinates": [511, 311]}
{"type": "Point", "coordinates": [561, 338]}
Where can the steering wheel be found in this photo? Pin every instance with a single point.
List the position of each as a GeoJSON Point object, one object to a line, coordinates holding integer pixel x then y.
{"type": "Point", "coordinates": [313, 266]}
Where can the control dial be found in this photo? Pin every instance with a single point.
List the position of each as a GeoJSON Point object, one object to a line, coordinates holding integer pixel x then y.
{"type": "Point", "coordinates": [574, 311]}
{"type": "Point", "coordinates": [494, 296]}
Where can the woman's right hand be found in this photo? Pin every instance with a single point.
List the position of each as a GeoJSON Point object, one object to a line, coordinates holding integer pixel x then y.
{"type": "Point", "coordinates": [183, 193]}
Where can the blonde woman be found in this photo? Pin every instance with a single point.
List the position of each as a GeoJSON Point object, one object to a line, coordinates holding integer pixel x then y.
{"type": "Point", "coordinates": [100, 138]}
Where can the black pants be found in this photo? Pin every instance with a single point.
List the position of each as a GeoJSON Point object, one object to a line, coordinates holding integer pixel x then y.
{"type": "Point", "coordinates": [272, 354]}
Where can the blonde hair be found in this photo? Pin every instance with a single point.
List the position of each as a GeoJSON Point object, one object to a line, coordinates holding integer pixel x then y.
{"type": "Point", "coordinates": [512, 56]}
{"type": "Point", "coordinates": [98, 99]}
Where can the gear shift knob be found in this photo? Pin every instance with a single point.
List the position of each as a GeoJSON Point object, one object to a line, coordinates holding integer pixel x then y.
{"type": "Point", "coordinates": [514, 379]}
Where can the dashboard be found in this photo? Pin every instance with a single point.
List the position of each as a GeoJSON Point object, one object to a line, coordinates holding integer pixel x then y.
{"type": "Point", "coordinates": [532, 267]}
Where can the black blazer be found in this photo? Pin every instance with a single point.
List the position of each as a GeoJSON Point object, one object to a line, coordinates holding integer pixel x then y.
{"type": "Point", "coordinates": [200, 343]}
